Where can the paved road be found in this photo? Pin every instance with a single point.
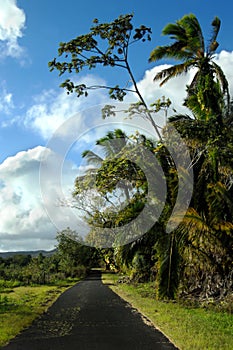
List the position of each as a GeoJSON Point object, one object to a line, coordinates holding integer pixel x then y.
{"type": "Point", "coordinates": [90, 316]}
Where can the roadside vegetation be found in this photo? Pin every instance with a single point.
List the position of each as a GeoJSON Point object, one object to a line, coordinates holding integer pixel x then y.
{"type": "Point", "coordinates": [71, 259]}
{"type": "Point", "coordinates": [187, 326]}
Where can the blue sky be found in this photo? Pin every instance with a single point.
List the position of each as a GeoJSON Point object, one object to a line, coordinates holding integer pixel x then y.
{"type": "Point", "coordinates": [32, 106]}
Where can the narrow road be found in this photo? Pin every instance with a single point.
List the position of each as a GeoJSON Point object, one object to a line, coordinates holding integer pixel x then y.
{"type": "Point", "coordinates": [90, 316]}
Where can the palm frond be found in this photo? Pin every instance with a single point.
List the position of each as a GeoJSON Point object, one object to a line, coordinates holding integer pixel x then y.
{"type": "Point", "coordinates": [175, 31]}
{"type": "Point", "coordinates": [159, 52]}
{"type": "Point", "coordinates": [180, 117]}
{"type": "Point", "coordinates": [172, 71]}
{"type": "Point", "coordinates": [176, 51]}
{"type": "Point", "coordinates": [193, 31]}
{"type": "Point", "coordinates": [92, 158]}
{"type": "Point", "coordinates": [194, 82]}
{"type": "Point", "coordinates": [113, 142]}
{"type": "Point", "coordinates": [223, 81]}
{"type": "Point", "coordinates": [213, 44]}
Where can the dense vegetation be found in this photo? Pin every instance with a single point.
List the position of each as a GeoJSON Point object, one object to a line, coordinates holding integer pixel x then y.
{"type": "Point", "coordinates": [187, 326]}
{"type": "Point", "coordinates": [195, 259]}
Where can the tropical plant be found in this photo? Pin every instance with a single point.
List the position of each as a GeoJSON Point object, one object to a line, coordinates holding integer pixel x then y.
{"type": "Point", "coordinates": [206, 234]}
{"type": "Point", "coordinates": [208, 91]}
{"type": "Point", "coordinates": [209, 219]}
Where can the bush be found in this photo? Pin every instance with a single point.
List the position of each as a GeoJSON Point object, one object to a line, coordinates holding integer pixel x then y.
{"type": "Point", "coordinates": [4, 284]}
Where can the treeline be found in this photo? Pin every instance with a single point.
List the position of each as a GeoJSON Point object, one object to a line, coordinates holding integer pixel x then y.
{"type": "Point", "coordinates": [71, 259]}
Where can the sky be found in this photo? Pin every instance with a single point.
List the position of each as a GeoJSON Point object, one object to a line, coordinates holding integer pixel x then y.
{"type": "Point", "coordinates": [39, 147]}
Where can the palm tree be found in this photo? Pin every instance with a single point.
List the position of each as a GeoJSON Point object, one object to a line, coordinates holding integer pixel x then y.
{"type": "Point", "coordinates": [111, 145]}
{"type": "Point", "coordinates": [205, 236]}
{"type": "Point", "coordinates": [208, 92]}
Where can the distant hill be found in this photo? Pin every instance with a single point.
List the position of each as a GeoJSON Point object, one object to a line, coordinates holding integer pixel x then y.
{"type": "Point", "coordinates": [33, 253]}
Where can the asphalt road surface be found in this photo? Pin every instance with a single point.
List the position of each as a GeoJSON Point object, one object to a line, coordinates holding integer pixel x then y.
{"type": "Point", "coordinates": [90, 316]}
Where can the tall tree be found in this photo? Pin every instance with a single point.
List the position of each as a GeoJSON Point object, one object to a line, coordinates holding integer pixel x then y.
{"type": "Point", "coordinates": [206, 233]}
{"type": "Point", "coordinates": [106, 45]}
{"type": "Point", "coordinates": [208, 91]}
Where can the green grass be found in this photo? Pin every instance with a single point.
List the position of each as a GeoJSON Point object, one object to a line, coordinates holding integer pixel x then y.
{"type": "Point", "coordinates": [19, 306]}
{"type": "Point", "coordinates": [188, 328]}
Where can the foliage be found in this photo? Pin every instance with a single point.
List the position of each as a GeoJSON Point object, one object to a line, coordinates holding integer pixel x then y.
{"type": "Point", "coordinates": [75, 258]}
{"type": "Point", "coordinates": [107, 45]}
{"type": "Point", "coordinates": [206, 233]}
{"type": "Point", "coordinates": [199, 251]}
{"type": "Point", "coordinates": [118, 177]}
{"type": "Point", "coordinates": [187, 326]}
{"type": "Point", "coordinates": [71, 259]}
{"type": "Point", "coordinates": [209, 87]}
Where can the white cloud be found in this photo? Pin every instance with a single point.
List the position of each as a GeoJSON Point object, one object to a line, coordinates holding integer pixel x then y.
{"type": "Point", "coordinates": [12, 23]}
{"type": "Point", "coordinates": [174, 89]}
{"type": "Point", "coordinates": [52, 109]}
{"type": "Point", "coordinates": [24, 222]}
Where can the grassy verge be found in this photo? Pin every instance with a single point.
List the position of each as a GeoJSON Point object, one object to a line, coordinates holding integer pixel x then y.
{"type": "Point", "coordinates": [188, 328]}
{"type": "Point", "coordinates": [19, 306]}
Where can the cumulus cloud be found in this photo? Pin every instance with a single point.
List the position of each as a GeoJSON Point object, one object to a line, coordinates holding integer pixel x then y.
{"type": "Point", "coordinates": [51, 109]}
{"type": "Point", "coordinates": [174, 89]}
{"type": "Point", "coordinates": [12, 23]}
{"type": "Point", "coordinates": [25, 223]}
